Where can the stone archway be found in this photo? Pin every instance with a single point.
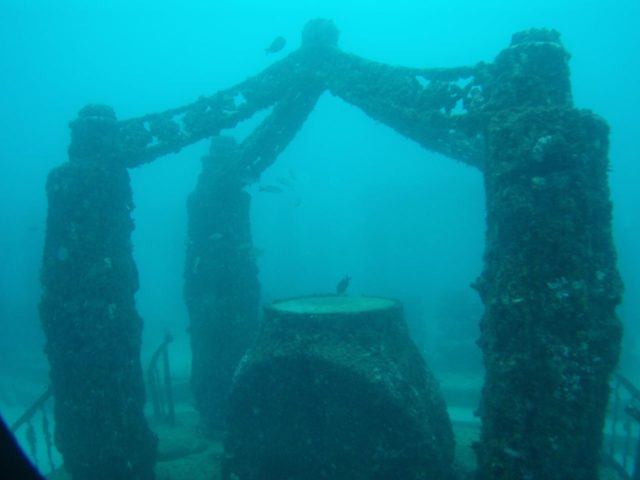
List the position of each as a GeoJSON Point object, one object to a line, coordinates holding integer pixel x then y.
{"type": "Point", "coordinates": [550, 335]}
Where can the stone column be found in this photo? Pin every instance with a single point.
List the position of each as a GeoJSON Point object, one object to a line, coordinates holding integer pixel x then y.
{"type": "Point", "coordinates": [92, 328]}
{"type": "Point", "coordinates": [221, 290]}
{"type": "Point", "coordinates": [550, 335]}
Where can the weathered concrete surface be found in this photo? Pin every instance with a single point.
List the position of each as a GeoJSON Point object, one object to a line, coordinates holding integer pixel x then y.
{"type": "Point", "coordinates": [435, 107]}
{"type": "Point", "coordinates": [550, 335]}
{"type": "Point", "coordinates": [221, 291]}
{"type": "Point", "coordinates": [92, 328]}
{"type": "Point", "coordinates": [335, 389]}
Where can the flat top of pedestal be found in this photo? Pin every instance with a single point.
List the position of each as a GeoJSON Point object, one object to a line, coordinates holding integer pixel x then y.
{"type": "Point", "coordinates": [333, 304]}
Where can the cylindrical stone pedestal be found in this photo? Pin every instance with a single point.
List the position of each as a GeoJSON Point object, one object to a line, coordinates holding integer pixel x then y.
{"type": "Point", "coordinates": [335, 389]}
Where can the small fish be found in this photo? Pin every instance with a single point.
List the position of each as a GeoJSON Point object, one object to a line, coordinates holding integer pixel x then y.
{"type": "Point", "coordinates": [277, 45]}
{"type": "Point", "coordinates": [256, 252]}
{"type": "Point", "coordinates": [250, 250]}
{"type": "Point", "coordinates": [343, 284]}
{"type": "Point", "coordinates": [215, 236]}
{"type": "Point", "coordinates": [270, 189]}
{"type": "Point", "coordinates": [285, 182]}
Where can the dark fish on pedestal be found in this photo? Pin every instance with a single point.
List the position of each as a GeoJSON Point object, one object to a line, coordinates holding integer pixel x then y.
{"type": "Point", "coordinates": [343, 284]}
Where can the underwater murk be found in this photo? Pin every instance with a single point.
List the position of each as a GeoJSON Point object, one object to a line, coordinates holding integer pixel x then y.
{"type": "Point", "coordinates": [337, 240]}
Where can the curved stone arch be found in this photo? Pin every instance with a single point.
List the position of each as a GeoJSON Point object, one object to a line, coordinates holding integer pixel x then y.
{"type": "Point", "coordinates": [420, 103]}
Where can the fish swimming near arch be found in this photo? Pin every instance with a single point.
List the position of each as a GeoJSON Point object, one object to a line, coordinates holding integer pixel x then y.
{"type": "Point", "coordinates": [277, 45]}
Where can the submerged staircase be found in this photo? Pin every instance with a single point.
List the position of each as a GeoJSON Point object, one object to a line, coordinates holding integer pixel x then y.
{"type": "Point", "coordinates": [183, 448]}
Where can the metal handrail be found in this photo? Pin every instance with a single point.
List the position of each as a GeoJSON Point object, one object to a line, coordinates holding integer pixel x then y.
{"type": "Point", "coordinates": [27, 416]}
{"type": "Point", "coordinates": [160, 390]}
{"type": "Point", "coordinates": [625, 410]}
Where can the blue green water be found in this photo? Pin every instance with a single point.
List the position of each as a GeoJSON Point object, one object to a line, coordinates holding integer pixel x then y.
{"type": "Point", "coordinates": [403, 222]}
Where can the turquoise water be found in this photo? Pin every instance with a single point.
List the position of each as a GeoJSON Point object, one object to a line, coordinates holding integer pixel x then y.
{"type": "Point", "coordinates": [359, 198]}
{"type": "Point", "coordinates": [142, 57]}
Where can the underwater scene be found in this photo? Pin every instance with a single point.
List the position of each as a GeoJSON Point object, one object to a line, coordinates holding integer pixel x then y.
{"type": "Point", "coordinates": [364, 240]}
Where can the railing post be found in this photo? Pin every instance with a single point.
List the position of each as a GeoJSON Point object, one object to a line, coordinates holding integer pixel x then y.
{"type": "Point", "coordinates": [615, 408]}
{"type": "Point", "coordinates": [161, 390]}
{"type": "Point", "coordinates": [92, 328]}
{"type": "Point", "coordinates": [168, 390]}
{"type": "Point", "coordinates": [636, 463]}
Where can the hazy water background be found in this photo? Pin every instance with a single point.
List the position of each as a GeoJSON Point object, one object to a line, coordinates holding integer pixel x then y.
{"type": "Point", "coordinates": [401, 221]}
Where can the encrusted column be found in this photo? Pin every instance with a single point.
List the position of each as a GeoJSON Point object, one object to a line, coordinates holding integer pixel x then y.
{"type": "Point", "coordinates": [550, 335]}
{"type": "Point", "coordinates": [92, 328]}
{"type": "Point", "coordinates": [221, 291]}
